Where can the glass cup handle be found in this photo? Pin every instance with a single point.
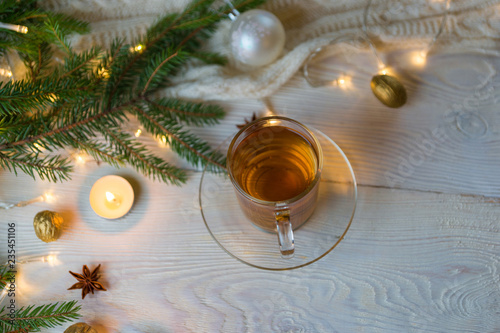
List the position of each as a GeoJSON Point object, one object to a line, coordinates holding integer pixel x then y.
{"type": "Point", "coordinates": [285, 233]}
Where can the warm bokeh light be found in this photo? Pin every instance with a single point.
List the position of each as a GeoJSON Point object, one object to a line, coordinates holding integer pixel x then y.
{"type": "Point", "coordinates": [49, 197]}
{"type": "Point", "coordinates": [138, 133]}
{"type": "Point", "coordinates": [5, 72]}
{"type": "Point", "coordinates": [52, 260]}
{"type": "Point", "coordinates": [53, 97]}
{"type": "Point", "coordinates": [387, 71]}
{"type": "Point", "coordinates": [419, 59]}
{"type": "Point", "coordinates": [103, 72]}
{"type": "Point", "coordinates": [343, 82]}
{"type": "Point", "coordinates": [137, 48]}
{"type": "Point", "coordinates": [162, 141]}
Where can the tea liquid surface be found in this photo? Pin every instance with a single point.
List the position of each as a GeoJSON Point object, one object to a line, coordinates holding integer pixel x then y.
{"type": "Point", "coordinates": [274, 164]}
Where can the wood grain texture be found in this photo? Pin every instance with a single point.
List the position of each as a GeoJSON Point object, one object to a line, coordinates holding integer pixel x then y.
{"type": "Point", "coordinates": [412, 262]}
{"type": "Point", "coordinates": [422, 254]}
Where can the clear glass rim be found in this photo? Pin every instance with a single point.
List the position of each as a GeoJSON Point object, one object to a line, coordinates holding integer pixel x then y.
{"type": "Point", "coordinates": [319, 156]}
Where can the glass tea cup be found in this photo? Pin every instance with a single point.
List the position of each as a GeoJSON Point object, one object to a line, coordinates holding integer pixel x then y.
{"type": "Point", "coordinates": [274, 164]}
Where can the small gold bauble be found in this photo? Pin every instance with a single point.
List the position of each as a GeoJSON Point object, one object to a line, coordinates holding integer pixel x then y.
{"type": "Point", "coordinates": [388, 90]}
{"type": "Point", "coordinates": [80, 328]}
{"type": "Point", "coordinates": [48, 225]}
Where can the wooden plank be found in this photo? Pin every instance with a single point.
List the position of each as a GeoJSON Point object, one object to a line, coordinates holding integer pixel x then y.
{"type": "Point", "coordinates": [411, 262]}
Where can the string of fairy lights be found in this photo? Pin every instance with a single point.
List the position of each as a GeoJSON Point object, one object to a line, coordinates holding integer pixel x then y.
{"type": "Point", "coordinates": [343, 81]}
{"type": "Point", "coordinates": [79, 157]}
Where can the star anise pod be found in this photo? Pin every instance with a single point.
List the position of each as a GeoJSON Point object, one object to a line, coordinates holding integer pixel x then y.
{"type": "Point", "coordinates": [87, 281]}
{"type": "Point", "coordinates": [254, 117]}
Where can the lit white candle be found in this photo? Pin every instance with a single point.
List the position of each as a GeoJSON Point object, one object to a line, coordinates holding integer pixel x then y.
{"type": "Point", "coordinates": [111, 197]}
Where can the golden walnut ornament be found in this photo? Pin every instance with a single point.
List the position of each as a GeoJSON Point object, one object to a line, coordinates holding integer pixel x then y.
{"type": "Point", "coordinates": [80, 328]}
{"type": "Point", "coordinates": [48, 225]}
{"type": "Point", "coordinates": [388, 90]}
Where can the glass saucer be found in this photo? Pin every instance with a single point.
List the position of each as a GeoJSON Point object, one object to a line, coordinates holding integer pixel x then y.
{"type": "Point", "coordinates": [329, 223]}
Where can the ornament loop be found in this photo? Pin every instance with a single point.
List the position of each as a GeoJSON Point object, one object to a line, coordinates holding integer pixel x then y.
{"type": "Point", "coordinates": [233, 15]}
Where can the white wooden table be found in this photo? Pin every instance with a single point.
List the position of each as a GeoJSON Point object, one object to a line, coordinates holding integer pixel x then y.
{"type": "Point", "coordinates": [422, 254]}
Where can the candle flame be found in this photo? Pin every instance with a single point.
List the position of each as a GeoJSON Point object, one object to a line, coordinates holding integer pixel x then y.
{"type": "Point", "coordinates": [110, 197]}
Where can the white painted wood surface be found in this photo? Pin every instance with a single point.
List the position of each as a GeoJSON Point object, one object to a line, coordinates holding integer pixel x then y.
{"type": "Point", "coordinates": [422, 255]}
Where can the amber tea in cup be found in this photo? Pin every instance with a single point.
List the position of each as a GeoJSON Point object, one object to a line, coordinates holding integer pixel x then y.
{"type": "Point", "coordinates": [275, 166]}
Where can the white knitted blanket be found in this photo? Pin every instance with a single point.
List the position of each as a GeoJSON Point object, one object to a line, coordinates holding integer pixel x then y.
{"type": "Point", "coordinates": [309, 24]}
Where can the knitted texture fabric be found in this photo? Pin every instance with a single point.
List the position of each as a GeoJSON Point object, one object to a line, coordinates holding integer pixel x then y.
{"type": "Point", "coordinates": [471, 26]}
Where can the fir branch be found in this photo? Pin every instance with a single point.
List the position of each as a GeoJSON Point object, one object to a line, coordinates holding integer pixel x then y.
{"type": "Point", "coordinates": [186, 145]}
{"type": "Point", "coordinates": [150, 165]}
{"type": "Point", "coordinates": [5, 276]}
{"type": "Point", "coordinates": [52, 168]}
{"type": "Point", "coordinates": [79, 62]}
{"type": "Point", "coordinates": [157, 69]}
{"type": "Point", "coordinates": [86, 97]}
{"type": "Point", "coordinates": [190, 113]}
{"type": "Point", "coordinates": [33, 318]}
{"type": "Point", "coordinates": [22, 330]}
{"type": "Point", "coordinates": [65, 128]}
{"type": "Point", "coordinates": [25, 95]}
{"type": "Point", "coordinates": [59, 36]}
{"type": "Point", "coordinates": [101, 152]}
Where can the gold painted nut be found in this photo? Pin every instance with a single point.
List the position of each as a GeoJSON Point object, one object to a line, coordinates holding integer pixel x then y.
{"type": "Point", "coordinates": [48, 225]}
{"type": "Point", "coordinates": [389, 90]}
{"type": "Point", "coordinates": [80, 328]}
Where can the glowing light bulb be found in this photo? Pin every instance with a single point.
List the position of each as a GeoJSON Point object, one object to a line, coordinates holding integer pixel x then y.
{"type": "Point", "coordinates": [162, 141]}
{"type": "Point", "coordinates": [137, 48]}
{"type": "Point", "coordinates": [49, 197]}
{"type": "Point", "coordinates": [343, 82]}
{"type": "Point", "coordinates": [138, 133]}
{"type": "Point", "coordinates": [419, 58]}
{"type": "Point", "coordinates": [103, 72]}
{"type": "Point", "coordinates": [5, 72]}
{"type": "Point", "coordinates": [37, 146]}
{"type": "Point", "coordinates": [52, 260]}
{"type": "Point", "coordinates": [14, 27]}
{"type": "Point", "coordinates": [53, 98]}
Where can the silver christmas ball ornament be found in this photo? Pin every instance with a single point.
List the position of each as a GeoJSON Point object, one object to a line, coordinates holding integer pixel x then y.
{"type": "Point", "coordinates": [257, 38]}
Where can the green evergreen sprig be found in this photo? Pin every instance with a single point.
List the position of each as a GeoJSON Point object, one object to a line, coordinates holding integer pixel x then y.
{"type": "Point", "coordinates": [85, 102]}
{"type": "Point", "coordinates": [33, 318]}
